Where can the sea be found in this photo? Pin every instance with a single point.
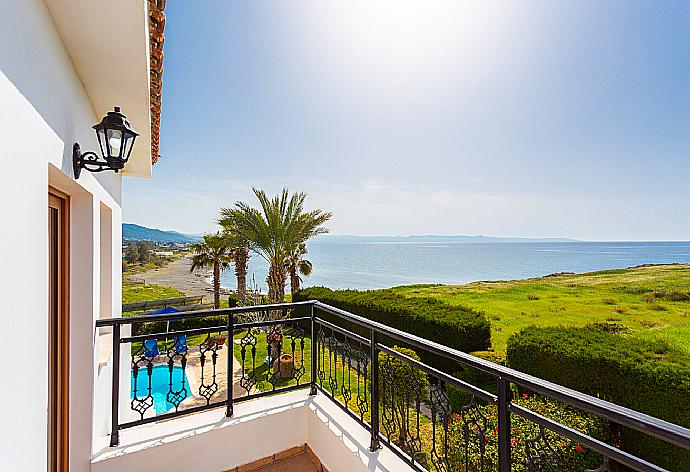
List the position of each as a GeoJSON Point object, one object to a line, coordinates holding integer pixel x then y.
{"type": "Point", "coordinates": [372, 264]}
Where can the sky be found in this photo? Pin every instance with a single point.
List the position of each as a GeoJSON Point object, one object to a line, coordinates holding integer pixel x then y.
{"type": "Point", "coordinates": [520, 119]}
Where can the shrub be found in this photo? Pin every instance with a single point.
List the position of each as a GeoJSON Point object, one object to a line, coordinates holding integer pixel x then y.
{"type": "Point", "coordinates": [609, 301]}
{"type": "Point", "coordinates": [676, 296]}
{"type": "Point", "coordinates": [650, 323]}
{"type": "Point", "coordinates": [672, 296]}
{"type": "Point", "coordinates": [570, 455]}
{"type": "Point", "coordinates": [458, 397]}
{"type": "Point", "coordinates": [233, 300]}
{"type": "Point", "coordinates": [454, 326]}
{"type": "Point", "coordinates": [645, 375]}
{"type": "Point", "coordinates": [608, 327]}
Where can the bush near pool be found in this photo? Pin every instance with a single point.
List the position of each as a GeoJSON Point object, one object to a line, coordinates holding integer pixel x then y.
{"type": "Point", "coordinates": [648, 376]}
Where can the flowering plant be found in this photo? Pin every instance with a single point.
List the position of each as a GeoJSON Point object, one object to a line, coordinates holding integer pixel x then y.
{"type": "Point", "coordinates": [468, 437]}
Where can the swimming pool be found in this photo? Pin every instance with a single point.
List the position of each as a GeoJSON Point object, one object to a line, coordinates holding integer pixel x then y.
{"type": "Point", "coordinates": [160, 385]}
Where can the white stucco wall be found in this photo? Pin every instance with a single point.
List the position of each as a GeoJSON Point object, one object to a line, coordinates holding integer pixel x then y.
{"type": "Point", "coordinates": [210, 442]}
{"type": "Point", "coordinates": [43, 111]}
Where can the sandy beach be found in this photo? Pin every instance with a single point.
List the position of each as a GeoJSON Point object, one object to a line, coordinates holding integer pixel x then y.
{"type": "Point", "coordinates": [177, 275]}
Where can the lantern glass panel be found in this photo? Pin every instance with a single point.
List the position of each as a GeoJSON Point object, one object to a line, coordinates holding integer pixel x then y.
{"type": "Point", "coordinates": [114, 142]}
{"type": "Point", "coordinates": [127, 142]}
{"type": "Point", "coordinates": [102, 142]}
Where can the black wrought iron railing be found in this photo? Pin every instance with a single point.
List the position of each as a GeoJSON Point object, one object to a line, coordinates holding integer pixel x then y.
{"type": "Point", "coordinates": [188, 362]}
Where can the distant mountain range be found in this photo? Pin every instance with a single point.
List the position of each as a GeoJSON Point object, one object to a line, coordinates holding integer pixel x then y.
{"type": "Point", "coordinates": [430, 238]}
{"type": "Point", "coordinates": [131, 231]}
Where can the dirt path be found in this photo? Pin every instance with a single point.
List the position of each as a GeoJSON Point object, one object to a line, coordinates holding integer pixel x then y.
{"type": "Point", "coordinates": [177, 275]}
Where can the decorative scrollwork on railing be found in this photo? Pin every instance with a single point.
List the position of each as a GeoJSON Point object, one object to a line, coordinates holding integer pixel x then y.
{"type": "Point", "coordinates": [346, 369]}
{"type": "Point", "coordinates": [362, 382]}
{"type": "Point", "coordinates": [540, 454]}
{"type": "Point", "coordinates": [296, 336]}
{"type": "Point", "coordinates": [343, 369]}
{"type": "Point", "coordinates": [414, 393]}
{"type": "Point", "coordinates": [142, 364]}
{"type": "Point", "coordinates": [320, 355]}
{"type": "Point", "coordinates": [605, 467]}
{"type": "Point", "coordinates": [441, 412]}
{"type": "Point", "coordinates": [248, 342]}
{"type": "Point", "coordinates": [274, 341]}
{"type": "Point", "coordinates": [332, 353]}
{"type": "Point", "coordinates": [474, 429]}
{"type": "Point", "coordinates": [401, 392]}
{"type": "Point", "coordinates": [387, 395]}
{"type": "Point", "coordinates": [178, 352]}
{"type": "Point", "coordinates": [209, 347]}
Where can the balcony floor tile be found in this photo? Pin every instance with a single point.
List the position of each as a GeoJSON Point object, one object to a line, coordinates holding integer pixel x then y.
{"type": "Point", "coordinates": [298, 463]}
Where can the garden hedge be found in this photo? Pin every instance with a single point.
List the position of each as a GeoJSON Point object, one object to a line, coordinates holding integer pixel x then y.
{"type": "Point", "coordinates": [458, 327]}
{"type": "Point", "coordinates": [459, 397]}
{"type": "Point", "coordinates": [645, 375]}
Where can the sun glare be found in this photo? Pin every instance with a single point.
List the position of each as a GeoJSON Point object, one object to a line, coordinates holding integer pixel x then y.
{"type": "Point", "coordinates": [401, 47]}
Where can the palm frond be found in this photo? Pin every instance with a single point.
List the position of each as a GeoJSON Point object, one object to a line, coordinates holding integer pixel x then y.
{"type": "Point", "coordinates": [213, 249]}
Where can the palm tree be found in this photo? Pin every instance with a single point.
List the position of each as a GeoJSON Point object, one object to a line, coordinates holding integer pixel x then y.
{"type": "Point", "coordinates": [296, 264]}
{"type": "Point", "coordinates": [212, 252]}
{"type": "Point", "coordinates": [274, 231]}
{"type": "Point", "coordinates": [240, 256]}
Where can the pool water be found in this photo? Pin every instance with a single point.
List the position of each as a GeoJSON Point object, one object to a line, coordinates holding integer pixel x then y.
{"type": "Point", "coordinates": [160, 385]}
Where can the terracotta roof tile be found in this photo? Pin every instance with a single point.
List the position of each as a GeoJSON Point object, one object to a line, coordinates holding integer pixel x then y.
{"type": "Point", "coordinates": [156, 39]}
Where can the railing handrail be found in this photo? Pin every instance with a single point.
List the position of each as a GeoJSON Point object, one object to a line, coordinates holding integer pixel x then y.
{"type": "Point", "coordinates": [664, 430]}
{"type": "Point", "coordinates": [125, 320]}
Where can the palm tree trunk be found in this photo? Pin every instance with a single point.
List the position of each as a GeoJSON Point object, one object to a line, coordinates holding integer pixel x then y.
{"type": "Point", "coordinates": [276, 284]}
{"type": "Point", "coordinates": [294, 282]}
{"type": "Point", "coordinates": [216, 284]}
{"type": "Point", "coordinates": [241, 259]}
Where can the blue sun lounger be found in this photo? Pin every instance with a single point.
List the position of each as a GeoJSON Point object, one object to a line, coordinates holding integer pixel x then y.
{"type": "Point", "coordinates": [150, 348]}
{"type": "Point", "coordinates": [180, 344]}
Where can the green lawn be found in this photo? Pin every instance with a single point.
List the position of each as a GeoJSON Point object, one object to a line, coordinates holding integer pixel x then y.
{"type": "Point", "coordinates": [344, 374]}
{"type": "Point", "coordinates": [648, 300]}
{"type": "Point", "coordinates": [138, 292]}
{"type": "Point", "coordinates": [260, 370]}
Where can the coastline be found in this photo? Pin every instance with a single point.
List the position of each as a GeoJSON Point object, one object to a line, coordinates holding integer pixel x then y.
{"type": "Point", "coordinates": [177, 275]}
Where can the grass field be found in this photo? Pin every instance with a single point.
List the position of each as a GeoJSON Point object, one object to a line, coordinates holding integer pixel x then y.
{"type": "Point", "coordinates": [138, 292]}
{"type": "Point", "coordinates": [652, 301]}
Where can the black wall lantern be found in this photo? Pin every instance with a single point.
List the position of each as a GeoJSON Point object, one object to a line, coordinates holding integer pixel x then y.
{"type": "Point", "coordinates": [116, 139]}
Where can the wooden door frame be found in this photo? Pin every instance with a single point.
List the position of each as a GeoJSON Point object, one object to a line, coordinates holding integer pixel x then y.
{"type": "Point", "coordinates": [58, 332]}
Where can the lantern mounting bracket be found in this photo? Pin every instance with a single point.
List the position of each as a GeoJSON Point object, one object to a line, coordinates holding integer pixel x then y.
{"type": "Point", "coordinates": [88, 160]}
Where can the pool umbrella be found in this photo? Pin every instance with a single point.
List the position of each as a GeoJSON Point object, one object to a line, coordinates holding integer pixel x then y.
{"type": "Point", "coordinates": [165, 311]}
